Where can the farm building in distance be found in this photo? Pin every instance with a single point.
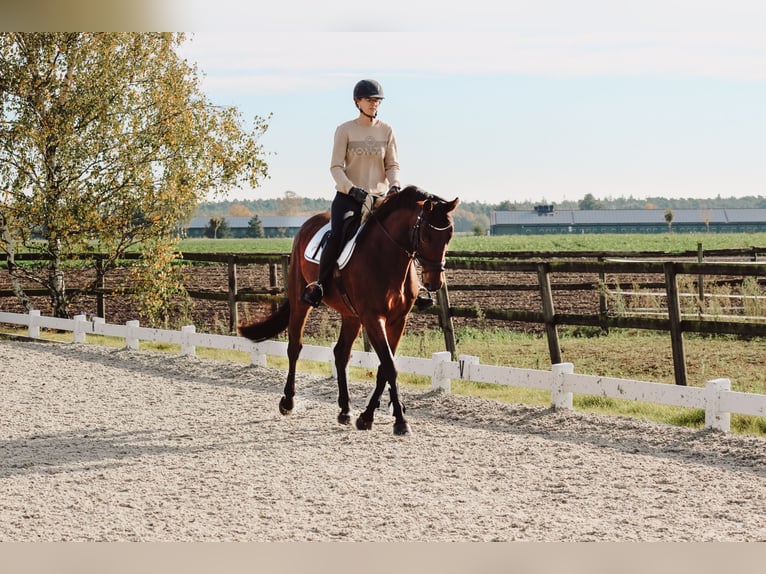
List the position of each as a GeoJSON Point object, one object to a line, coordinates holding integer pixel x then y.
{"type": "Point", "coordinates": [273, 226]}
{"type": "Point", "coordinates": [544, 219]}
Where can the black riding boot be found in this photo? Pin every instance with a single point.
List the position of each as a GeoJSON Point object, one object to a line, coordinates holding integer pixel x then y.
{"type": "Point", "coordinates": [314, 292]}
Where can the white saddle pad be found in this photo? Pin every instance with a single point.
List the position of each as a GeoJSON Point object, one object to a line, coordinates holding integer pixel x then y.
{"type": "Point", "coordinates": [315, 247]}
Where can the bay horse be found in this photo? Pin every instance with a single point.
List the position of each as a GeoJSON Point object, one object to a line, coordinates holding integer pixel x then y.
{"type": "Point", "coordinates": [376, 290]}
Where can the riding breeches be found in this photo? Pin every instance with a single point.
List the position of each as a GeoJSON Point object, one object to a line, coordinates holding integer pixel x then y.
{"type": "Point", "coordinates": [345, 216]}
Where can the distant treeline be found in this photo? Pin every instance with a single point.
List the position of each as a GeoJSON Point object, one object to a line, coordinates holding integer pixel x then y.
{"type": "Point", "coordinates": [474, 216]}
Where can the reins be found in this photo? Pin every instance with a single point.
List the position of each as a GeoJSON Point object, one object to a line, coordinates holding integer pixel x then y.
{"type": "Point", "coordinates": [412, 251]}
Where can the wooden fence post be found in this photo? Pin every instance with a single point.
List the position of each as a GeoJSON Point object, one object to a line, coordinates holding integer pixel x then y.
{"type": "Point", "coordinates": [285, 272]}
{"type": "Point", "coordinates": [549, 315]}
{"type": "Point", "coordinates": [100, 286]}
{"type": "Point", "coordinates": [700, 282]}
{"type": "Point", "coordinates": [602, 302]}
{"type": "Point", "coordinates": [80, 327]}
{"type": "Point", "coordinates": [233, 313]}
{"type": "Point", "coordinates": [714, 417]}
{"type": "Point", "coordinates": [438, 380]}
{"type": "Point", "coordinates": [445, 320]}
{"type": "Point", "coordinates": [187, 348]}
{"type": "Point", "coordinates": [33, 330]}
{"type": "Point", "coordinates": [131, 340]}
{"type": "Point", "coordinates": [560, 398]}
{"type": "Point", "coordinates": [674, 315]}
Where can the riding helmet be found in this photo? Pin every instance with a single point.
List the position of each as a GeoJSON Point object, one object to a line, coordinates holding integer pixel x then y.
{"type": "Point", "coordinates": [368, 89]}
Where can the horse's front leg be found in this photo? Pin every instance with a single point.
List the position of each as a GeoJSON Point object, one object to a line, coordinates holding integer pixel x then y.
{"type": "Point", "coordinates": [366, 418]}
{"type": "Point", "coordinates": [386, 374]}
{"type": "Point", "coordinates": [401, 426]}
{"type": "Point", "coordinates": [349, 331]}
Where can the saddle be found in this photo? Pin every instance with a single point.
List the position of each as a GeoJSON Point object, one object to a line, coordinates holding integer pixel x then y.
{"type": "Point", "coordinates": [316, 245]}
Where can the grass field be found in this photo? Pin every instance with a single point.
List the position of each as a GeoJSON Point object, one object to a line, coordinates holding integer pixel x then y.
{"type": "Point", "coordinates": [665, 242]}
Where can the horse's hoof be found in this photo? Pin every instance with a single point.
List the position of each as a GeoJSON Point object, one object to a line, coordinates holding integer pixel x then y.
{"type": "Point", "coordinates": [285, 406]}
{"type": "Point", "coordinates": [344, 418]}
{"type": "Point", "coordinates": [363, 424]}
{"type": "Point", "coordinates": [402, 429]}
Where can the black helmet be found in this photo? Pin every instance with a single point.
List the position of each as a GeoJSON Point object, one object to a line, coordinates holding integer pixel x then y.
{"type": "Point", "coordinates": [368, 89]}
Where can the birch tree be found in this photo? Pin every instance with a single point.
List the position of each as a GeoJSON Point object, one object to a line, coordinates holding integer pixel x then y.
{"type": "Point", "coordinates": [107, 142]}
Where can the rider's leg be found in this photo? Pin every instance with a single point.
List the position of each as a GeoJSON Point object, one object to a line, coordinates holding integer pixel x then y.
{"type": "Point", "coordinates": [343, 208]}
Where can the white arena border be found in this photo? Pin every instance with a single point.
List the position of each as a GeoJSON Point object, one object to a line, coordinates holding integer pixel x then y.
{"type": "Point", "coordinates": [716, 398]}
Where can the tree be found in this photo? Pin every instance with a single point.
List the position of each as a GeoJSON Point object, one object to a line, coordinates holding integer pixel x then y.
{"type": "Point", "coordinates": [590, 202]}
{"type": "Point", "coordinates": [107, 142]}
{"type": "Point", "coordinates": [255, 227]}
{"type": "Point", "coordinates": [218, 227]}
{"type": "Point", "coordinates": [239, 210]}
{"type": "Point", "coordinates": [669, 215]}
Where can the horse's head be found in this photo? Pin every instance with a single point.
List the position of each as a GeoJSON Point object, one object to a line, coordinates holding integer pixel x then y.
{"type": "Point", "coordinates": [430, 236]}
{"type": "Point", "coordinates": [421, 225]}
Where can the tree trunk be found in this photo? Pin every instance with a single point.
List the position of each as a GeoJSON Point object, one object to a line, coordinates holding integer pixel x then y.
{"type": "Point", "coordinates": [56, 282]}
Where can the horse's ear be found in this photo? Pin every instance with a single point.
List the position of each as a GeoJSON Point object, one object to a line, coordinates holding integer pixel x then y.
{"type": "Point", "coordinates": [453, 204]}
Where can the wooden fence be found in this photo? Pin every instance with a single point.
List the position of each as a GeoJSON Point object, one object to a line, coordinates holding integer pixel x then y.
{"type": "Point", "coordinates": [717, 399]}
{"type": "Point", "coordinates": [542, 266]}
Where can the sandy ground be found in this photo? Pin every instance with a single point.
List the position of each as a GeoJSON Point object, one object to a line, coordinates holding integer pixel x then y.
{"type": "Point", "coordinates": [98, 444]}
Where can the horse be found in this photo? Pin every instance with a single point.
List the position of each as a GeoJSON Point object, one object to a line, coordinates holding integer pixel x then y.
{"type": "Point", "coordinates": [375, 290]}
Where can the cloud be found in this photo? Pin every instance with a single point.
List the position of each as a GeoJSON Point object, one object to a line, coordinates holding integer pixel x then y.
{"type": "Point", "coordinates": [278, 47]}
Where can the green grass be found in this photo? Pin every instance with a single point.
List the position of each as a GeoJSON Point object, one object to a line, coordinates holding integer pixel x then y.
{"type": "Point", "coordinates": [665, 242]}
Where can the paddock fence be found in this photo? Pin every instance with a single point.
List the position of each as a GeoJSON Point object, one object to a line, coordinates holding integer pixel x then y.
{"type": "Point", "coordinates": [716, 398]}
{"type": "Point", "coordinates": [701, 269]}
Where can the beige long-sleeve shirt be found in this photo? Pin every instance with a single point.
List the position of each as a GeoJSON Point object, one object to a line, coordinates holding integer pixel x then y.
{"type": "Point", "coordinates": [365, 156]}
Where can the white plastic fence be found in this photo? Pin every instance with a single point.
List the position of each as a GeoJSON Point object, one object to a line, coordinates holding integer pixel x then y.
{"type": "Point", "coordinates": [716, 398]}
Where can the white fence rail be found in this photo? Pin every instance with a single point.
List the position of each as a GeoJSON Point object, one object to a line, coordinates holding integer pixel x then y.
{"type": "Point", "coordinates": [716, 398]}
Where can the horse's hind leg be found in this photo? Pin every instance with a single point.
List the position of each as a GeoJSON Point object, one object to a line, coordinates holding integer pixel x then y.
{"type": "Point", "coordinates": [349, 331]}
{"type": "Point", "coordinates": [298, 314]}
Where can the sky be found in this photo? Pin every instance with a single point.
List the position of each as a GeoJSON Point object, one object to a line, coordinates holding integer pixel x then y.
{"type": "Point", "coordinates": [539, 101]}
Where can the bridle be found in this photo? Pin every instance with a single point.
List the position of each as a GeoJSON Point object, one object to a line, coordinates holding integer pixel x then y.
{"type": "Point", "coordinates": [413, 250]}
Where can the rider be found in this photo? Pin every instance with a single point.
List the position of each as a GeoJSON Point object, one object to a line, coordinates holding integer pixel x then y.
{"type": "Point", "coordinates": [365, 167]}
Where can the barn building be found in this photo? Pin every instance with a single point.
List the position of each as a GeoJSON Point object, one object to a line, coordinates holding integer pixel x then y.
{"type": "Point", "coordinates": [544, 219]}
{"type": "Point", "coordinates": [273, 226]}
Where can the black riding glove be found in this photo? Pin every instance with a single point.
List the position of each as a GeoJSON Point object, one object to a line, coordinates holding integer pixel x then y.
{"type": "Point", "coordinates": [358, 194]}
{"type": "Point", "coordinates": [393, 189]}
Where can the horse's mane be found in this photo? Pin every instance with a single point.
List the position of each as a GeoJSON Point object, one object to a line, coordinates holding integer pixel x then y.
{"type": "Point", "coordinates": [407, 197]}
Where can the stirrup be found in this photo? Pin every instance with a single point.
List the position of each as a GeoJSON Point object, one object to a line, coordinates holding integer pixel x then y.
{"type": "Point", "coordinates": [312, 294]}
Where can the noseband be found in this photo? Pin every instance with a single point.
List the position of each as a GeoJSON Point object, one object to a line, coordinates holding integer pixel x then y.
{"type": "Point", "coordinates": [413, 251]}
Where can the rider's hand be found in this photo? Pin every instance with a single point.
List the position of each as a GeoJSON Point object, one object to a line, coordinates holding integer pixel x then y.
{"type": "Point", "coordinates": [358, 194]}
{"type": "Point", "coordinates": [393, 189]}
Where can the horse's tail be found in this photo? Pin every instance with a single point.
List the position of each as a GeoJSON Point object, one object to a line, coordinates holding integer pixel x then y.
{"type": "Point", "coordinates": [269, 327]}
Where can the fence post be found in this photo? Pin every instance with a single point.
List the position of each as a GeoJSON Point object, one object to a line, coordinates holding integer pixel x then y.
{"type": "Point", "coordinates": [560, 398]}
{"type": "Point", "coordinates": [187, 349]}
{"type": "Point", "coordinates": [233, 313]}
{"type": "Point", "coordinates": [100, 287]}
{"type": "Point", "coordinates": [445, 319]}
{"type": "Point", "coordinates": [131, 339]}
{"type": "Point", "coordinates": [700, 281]}
{"type": "Point", "coordinates": [98, 321]}
{"type": "Point", "coordinates": [674, 315]}
{"type": "Point", "coordinates": [257, 356]}
{"type": "Point", "coordinates": [464, 363]}
{"type": "Point", "coordinates": [80, 327]}
{"type": "Point", "coordinates": [285, 273]}
{"type": "Point", "coordinates": [714, 418]}
{"type": "Point", "coordinates": [549, 315]}
{"type": "Point", "coordinates": [602, 302]}
{"type": "Point", "coordinates": [34, 324]}
{"type": "Point", "coordinates": [439, 381]}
